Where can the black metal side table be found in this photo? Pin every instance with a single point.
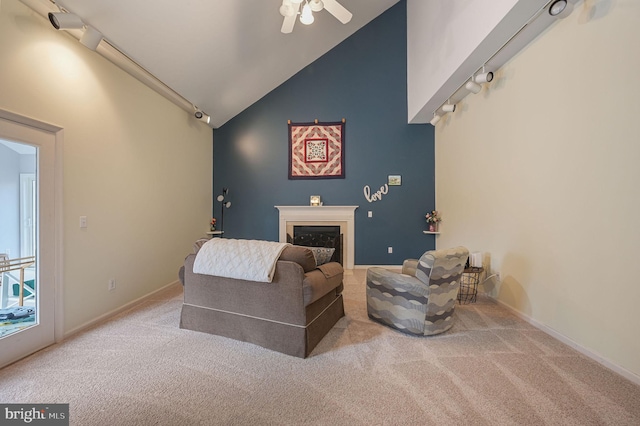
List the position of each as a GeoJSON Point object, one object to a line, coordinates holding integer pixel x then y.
{"type": "Point", "coordinates": [469, 281]}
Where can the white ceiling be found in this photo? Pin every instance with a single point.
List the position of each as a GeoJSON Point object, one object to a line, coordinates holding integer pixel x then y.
{"type": "Point", "coordinates": [221, 55]}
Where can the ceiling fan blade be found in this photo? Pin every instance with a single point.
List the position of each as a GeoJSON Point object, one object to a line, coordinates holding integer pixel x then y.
{"type": "Point", "coordinates": [289, 21]}
{"type": "Point", "coordinates": [337, 10]}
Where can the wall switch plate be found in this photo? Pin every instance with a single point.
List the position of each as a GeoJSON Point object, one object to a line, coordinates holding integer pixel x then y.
{"type": "Point", "coordinates": [369, 213]}
{"type": "Point", "coordinates": [83, 221]}
{"type": "Point", "coordinates": [390, 250]}
{"type": "Point", "coordinates": [112, 284]}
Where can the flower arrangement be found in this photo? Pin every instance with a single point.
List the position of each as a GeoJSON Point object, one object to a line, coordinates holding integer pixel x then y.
{"type": "Point", "coordinates": [433, 217]}
{"type": "Point", "coordinates": [213, 223]}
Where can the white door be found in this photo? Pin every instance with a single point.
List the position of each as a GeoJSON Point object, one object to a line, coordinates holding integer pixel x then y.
{"type": "Point", "coordinates": [42, 333]}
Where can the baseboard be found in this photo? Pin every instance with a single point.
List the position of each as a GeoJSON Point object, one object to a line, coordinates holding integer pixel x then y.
{"type": "Point", "coordinates": [566, 340]}
{"type": "Point", "coordinates": [110, 314]}
{"type": "Point", "coordinates": [377, 266]}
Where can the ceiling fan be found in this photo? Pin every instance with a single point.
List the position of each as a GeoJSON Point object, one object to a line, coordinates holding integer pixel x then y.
{"type": "Point", "coordinates": [290, 9]}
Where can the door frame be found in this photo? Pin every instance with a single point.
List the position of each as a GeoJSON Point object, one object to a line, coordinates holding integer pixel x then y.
{"type": "Point", "coordinates": [50, 225]}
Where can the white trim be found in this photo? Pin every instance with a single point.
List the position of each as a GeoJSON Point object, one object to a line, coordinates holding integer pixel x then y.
{"type": "Point", "coordinates": [377, 266]}
{"type": "Point", "coordinates": [566, 340]}
{"type": "Point", "coordinates": [322, 214]}
{"type": "Point", "coordinates": [47, 137]}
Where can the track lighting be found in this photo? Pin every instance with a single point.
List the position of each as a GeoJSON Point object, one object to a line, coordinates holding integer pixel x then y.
{"type": "Point", "coordinates": [65, 21]}
{"type": "Point", "coordinates": [473, 87]}
{"type": "Point", "coordinates": [560, 9]}
{"type": "Point", "coordinates": [449, 107]}
{"type": "Point", "coordinates": [202, 116]}
{"type": "Point", "coordinates": [435, 119]}
{"type": "Point", "coordinates": [484, 77]}
{"type": "Point", "coordinates": [91, 38]}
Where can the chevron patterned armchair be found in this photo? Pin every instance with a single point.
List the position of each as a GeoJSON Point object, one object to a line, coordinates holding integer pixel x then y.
{"type": "Point", "coordinates": [420, 300]}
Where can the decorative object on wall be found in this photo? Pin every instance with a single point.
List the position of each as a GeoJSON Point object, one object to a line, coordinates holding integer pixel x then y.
{"type": "Point", "coordinates": [316, 150]}
{"type": "Point", "coordinates": [225, 205]}
{"type": "Point", "coordinates": [376, 196]}
{"type": "Point", "coordinates": [213, 223]}
{"type": "Point", "coordinates": [314, 200]}
{"type": "Point", "coordinates": [433, 219]}
{"type": "Point", "coordinates": [394, 180]}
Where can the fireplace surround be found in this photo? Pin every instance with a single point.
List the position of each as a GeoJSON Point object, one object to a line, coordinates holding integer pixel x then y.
{"type": "Point", "coordinates": [343, 216]}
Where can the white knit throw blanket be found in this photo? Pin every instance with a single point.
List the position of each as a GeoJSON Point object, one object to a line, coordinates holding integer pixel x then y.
{"type": "Point", "coordinates": [252, 260]}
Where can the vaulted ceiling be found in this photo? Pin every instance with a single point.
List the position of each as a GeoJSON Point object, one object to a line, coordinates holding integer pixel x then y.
{"type": "Point", "coordinates": [221, 55]}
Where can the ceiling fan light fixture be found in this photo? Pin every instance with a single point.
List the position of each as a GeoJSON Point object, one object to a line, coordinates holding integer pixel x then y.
{"type": "Point", "coordinates": [316, 5]}
{"type": "Point", "coordinates": [306, 17]}
{"type": "Point", "coordinates": [287, 8]}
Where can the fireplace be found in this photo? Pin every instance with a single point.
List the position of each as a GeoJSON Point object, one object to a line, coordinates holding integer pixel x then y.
{"type": "Point", "coordinates": [318, 236]}
{"type": "Point", "coordinates": [317, 216]}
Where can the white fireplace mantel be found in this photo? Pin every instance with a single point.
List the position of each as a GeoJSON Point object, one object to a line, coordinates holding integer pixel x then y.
{"type": "Point", "coordinates": [344, 214]}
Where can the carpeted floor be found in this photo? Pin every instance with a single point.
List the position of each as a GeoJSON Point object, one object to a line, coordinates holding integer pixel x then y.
{"type": "Point", "coordinates": [491, 368]}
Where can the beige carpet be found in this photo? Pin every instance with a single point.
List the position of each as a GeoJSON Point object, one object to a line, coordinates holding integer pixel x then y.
{"type": "Point", "coordinates": [490, 369]}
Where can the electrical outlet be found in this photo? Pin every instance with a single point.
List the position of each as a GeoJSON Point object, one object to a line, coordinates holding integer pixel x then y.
{"type": "Point", "coordinates": [112, 284]}
{"type": "Point", "coordinates": [83, 221]}
{"type": "Point", "coordinates": [390, 250]}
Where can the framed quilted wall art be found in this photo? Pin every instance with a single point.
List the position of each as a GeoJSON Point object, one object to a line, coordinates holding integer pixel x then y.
{"type": "Point", "coordinates": [316, 150]}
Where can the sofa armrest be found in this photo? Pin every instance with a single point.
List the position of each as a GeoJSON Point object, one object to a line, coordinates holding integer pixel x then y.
{"type": "Point", "coordinates": [384, 278]}
{"type": "Point", "coordinates": [409, 267]}
{"type": "Point", "coordinates": [321, 281]}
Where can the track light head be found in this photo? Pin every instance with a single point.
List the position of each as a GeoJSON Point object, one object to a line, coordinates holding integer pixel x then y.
{"type": "Point", "coordinates": [560, 9]}
{"type": "Point", "coordinates": [485, 77]}
{"type": "Point", "coordinates": [449, 107]}
{"type": "Point", "coordinates": [435, 119]}
{"type": "Point", "coordinates": [91, 38]}
{"type": "Point", "coordinates": [65, 21]}
{"type": "Point", "coordinates": [202, 116]}
{"type": "Point", "coordinates": [473, 87]}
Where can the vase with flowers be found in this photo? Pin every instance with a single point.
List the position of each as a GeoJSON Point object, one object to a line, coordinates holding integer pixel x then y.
{"type": "Point", "coordinates": [433, 218]}
{"type": "Point", "coordinates": [213, 223]}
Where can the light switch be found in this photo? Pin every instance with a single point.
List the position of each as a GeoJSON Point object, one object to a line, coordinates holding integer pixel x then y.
{"type": "Point", "coordinates": [370, 213]}
{"type": "Point", "coordinates": [83, 221]}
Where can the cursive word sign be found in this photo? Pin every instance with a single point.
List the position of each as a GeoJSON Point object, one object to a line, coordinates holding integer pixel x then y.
{"type": "Point", "coordinates": [376, 196]}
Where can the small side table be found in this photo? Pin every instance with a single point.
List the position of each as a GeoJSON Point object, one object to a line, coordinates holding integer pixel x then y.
{"type": "Point", "coordinates": [469, 281]}
{"type": "Point", "coordinates": [215, 233]}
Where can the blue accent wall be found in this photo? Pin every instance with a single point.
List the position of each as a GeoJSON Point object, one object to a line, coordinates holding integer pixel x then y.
{"type": "Point", "coordinates": [364, 80]}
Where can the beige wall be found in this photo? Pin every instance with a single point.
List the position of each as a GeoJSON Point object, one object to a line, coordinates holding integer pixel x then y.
{"type": "Point", "coordinates": [540, 171]}
{"type": "Point", "coordinates": [136, 165]}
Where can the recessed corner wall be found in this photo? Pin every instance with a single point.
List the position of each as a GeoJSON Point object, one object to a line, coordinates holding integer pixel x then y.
{"type": "Point", "coordinates": [540, 172]}
{"type": "Point", "coordinates": [134, 163]}
{"type": "Point", "coordinates": [364, 81]}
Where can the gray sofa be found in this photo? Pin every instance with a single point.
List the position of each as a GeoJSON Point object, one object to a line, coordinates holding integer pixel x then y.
{"type": "Point", "coordinates": [291, 314]}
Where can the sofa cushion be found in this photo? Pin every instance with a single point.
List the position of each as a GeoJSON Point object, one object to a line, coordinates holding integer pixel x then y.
{"type": "Point", "coordinates": [322, 254]}
{"type": "Point", "coordinates": [300, 255]}
{"type": "Point", "coordinates": [331, 270]}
